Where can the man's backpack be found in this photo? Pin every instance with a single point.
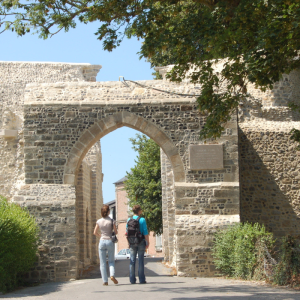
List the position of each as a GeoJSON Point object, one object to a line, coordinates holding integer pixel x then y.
{"type": "Point", "coordinates": [134, 235]}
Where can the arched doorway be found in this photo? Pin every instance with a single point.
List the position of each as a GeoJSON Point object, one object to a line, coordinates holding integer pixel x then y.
{"type": "Point", "coordinates": [169, 154]}
{"type": "Point", "coordinates": [63, 121]}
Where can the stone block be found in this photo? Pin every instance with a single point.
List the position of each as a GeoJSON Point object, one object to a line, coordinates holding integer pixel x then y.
{"type": "Point", "coordinates": [59, 161]}
{"type": "Point", "coordinates": [95, 130]}
{"type": "Point", "coordinates": [61, 263]}
{"type": "Point", "coordinates": [32, 175]}
{"type": "Point", "coordinates": [199, 261]}
{"type": "Point", "coordinates": [175, 161]}
{"type": "Point", "coordinates": [186, 107]}
{"type": "Point", "coordinates": [102, 125]}
{"type": "Point", "coordinates": [111, 121]}
{"type": "Point", "coordinates": [50, 168]}
{"type": "Point", "coordinates": [39, 143]}
{"type": "Point", "coordinates": [69, 179]}
{"type": "Point", "coordinates": [226, 193]}
{"type": "Point", "coordinates": [86, 138]}
{"type": "Point", "coordinates": [70, 114]}
{"type": "Point", "coordinates": [151, 130]}
{"type": "Point", "coordinates": [43, 175]}
{"type": "Point", "coordinates": [58, 235]}
{"type": "Point", "coordinates": [59, 137]}
{"type": "Point", "coordinates": [139, 122]}
{"type": "Point", "coordinates": [169, 148]}
{"type": "Point", "coordinates": [161, 139]}
{"type": "Point", "coordinates": [32, 162]}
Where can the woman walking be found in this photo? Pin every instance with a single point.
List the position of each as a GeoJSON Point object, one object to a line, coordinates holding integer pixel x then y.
{"type": "Point", "coordinates": [105, 224]}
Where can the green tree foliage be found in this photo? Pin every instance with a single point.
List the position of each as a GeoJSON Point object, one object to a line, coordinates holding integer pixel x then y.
{"type": "Point", "coordinates": [18, 244]}
{"type": "Point", "coordinates": [143, 184]}
{"type": "Point", "coordinates": [259, 39]}
{"type": "Point", "coordinates": [235, 249]}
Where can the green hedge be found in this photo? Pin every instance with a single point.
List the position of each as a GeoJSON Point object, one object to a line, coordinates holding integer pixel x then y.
{"type": "Point", "coordinates": [237, 250]}
{"type": "Point", "coordinates": [18, 244]}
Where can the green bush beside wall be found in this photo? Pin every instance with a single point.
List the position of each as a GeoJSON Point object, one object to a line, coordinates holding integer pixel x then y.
{"type": "Point", "coordinates": [18, 244]}
{"type": "Point", "coordinates": [237, 249]}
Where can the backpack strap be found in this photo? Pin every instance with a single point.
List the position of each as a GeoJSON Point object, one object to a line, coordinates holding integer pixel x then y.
{"type": "Point", "coordinates": [112, 224]}
{"type": "Point", "coordinates": [138, 229]}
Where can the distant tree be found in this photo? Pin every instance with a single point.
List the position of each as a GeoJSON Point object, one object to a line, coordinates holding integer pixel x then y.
{"type": "Point", "coordinates": [143, 184]}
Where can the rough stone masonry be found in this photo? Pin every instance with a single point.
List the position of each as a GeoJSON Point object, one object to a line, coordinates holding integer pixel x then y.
{"type": "Point", "coordinates": [60, 113]}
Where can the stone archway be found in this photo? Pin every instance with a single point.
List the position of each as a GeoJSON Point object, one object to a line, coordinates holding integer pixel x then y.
{"type": "Point", "coordinates": [61, 123]}
{"type": "Point", "coordinates": [41, 152]}
{"type": "Point", "coordinates": [109, 124]}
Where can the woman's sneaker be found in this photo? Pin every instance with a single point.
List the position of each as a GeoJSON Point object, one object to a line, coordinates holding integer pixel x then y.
{"type": "Point", "coordinates": [113, 279]}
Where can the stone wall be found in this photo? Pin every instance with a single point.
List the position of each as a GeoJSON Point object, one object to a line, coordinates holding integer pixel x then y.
{"type": "Point", "coordinates": [13, 78]}
{"type": "Point", "coordinates": [66, 218]}
{"type": "Point", "coordinates": [53, 206]}
{"type": "Point", "coordinates": [269, 159]}
{"type": "Point", "coordinates": [71, 117]}
{"type": "Point", "coordinates": [270, 177]}
{"type": "Point", "coordinates": [201, 209]}
{"type": "Point", "coordinates": [63, 120]}
{"type": "Point", "coordinates": [79, 106]}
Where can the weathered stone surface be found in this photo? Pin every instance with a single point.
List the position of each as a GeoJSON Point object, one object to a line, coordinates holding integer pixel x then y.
{"type": "Point", "coordinates": [269, 191]}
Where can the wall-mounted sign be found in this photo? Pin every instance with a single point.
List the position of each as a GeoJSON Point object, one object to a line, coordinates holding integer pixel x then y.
{"type": "Point", "coordinates": [206, 157]}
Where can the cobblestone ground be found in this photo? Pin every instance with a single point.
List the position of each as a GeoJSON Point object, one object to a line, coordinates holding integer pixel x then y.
{"type": "Point", "coordinates": [160, 285]}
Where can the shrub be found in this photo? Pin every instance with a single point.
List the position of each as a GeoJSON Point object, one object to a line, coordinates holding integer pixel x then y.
{"type": "Point", "coordinates": [18, 244]}
{"type": "Point", "coordinates": [235, 249]}
{"type": "Point", "coordinates": [287, 271]}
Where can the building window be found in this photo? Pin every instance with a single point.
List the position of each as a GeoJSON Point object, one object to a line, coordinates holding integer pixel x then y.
{"type": "Point", "coordinates": [129, 209]}
{"type": "Point", "coordinates": [158, 243]}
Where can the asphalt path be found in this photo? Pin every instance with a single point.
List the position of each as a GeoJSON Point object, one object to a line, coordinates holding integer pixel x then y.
{"type": "Point", "coordinates": [161, 284]}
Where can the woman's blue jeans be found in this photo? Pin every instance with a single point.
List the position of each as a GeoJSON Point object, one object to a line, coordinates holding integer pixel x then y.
{"type": "Point", "coordinates": [140, 250]}
{"type": "Point", "coordinates": [107, 246]}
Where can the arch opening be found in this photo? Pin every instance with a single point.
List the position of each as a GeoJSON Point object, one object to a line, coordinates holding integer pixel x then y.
{"type": "Point", "coordinates": [111, 123]}
{"type": "Point", "coordinates": [75, 167]}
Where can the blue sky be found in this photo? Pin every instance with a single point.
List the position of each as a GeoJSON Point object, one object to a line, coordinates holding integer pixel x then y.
{"type": "Point", "coordinates": [80, 45]}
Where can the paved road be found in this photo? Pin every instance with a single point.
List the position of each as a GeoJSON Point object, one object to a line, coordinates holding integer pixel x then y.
{"type": "Point", "coordinates": [160, 285]}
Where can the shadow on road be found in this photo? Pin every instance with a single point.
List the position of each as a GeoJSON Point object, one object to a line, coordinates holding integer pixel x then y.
{"type": "Point", "coordinates": [153, 267]}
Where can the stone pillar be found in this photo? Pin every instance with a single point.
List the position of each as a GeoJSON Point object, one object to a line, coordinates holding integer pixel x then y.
{"type": "Point", "coordinates": [88, 204]}
{"type": "Point", "coordinates": [201, 209]}
{"type": "Point", "coordinates": [94, 157]}
{"type": "Point", "coordinates": [168, 208]}
{"type": "Point", "coordinates": [53, 206]}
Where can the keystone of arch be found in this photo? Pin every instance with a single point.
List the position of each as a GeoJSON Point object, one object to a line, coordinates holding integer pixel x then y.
{"type": "Point", "coordinates": [91, 135]}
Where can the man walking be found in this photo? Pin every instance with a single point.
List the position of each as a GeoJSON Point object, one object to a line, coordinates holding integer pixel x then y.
{"type": "Point", "coordinates": [138, 244]}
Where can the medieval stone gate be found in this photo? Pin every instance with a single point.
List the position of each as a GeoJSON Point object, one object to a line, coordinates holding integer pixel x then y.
{"type": "Point", "coordinates": [62, 121]}
{"type": "Point", "coordinates": [53, 115]}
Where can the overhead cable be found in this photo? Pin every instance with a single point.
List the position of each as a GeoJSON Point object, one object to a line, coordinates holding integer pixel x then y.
{"type": "Point", "coordinates": [152, 88]}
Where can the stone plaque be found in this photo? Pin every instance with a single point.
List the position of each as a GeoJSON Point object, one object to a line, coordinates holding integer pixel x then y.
{"type": "Point", "coordinates": [206, 157]}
